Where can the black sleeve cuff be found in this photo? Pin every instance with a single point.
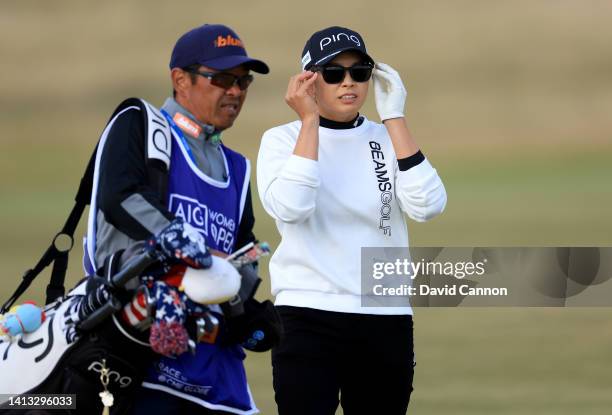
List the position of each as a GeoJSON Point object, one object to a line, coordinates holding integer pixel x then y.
{"type": "Point", "coordinates": [409, 162]}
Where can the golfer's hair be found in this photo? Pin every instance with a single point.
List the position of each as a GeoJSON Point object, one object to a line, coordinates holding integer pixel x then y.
{"type": "Point", "coordinates": [189, 69]}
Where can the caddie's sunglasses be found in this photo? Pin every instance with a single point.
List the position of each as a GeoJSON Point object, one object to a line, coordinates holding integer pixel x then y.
{"type": "Point", "coordinates": [334, 74]}
{"type": "Point", "coordinates": [224, 80]}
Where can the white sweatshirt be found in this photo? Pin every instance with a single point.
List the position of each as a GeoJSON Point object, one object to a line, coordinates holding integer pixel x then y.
{"type": "Point", "coordinates": [327, 210]}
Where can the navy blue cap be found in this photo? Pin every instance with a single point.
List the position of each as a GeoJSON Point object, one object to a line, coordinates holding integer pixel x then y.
{"type": "Point", "coordinates": [215, 46]}
{"type": "Point", "coordinates": [324, 45]}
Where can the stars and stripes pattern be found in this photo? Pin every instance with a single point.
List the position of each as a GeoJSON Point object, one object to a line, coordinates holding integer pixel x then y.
{"type": "Point", "coordinates": [168, 334]}
{"type": "Point", "coordinates": [135, 312]}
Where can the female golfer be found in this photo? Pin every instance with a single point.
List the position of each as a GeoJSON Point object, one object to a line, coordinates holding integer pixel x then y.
{"type": "Point", "coordinates": [335, 182]}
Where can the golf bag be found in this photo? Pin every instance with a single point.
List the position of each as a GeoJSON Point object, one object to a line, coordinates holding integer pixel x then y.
{"type": "Point", "coordinates": [88, 333]}
{"type": "Point", "coordinates": [79, 339]}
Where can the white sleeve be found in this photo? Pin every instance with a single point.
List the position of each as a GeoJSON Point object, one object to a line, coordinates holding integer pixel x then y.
{"type": "Point", "coordinates": [420, 191]}
{"type": "Point", "coordinates": [287, 183]}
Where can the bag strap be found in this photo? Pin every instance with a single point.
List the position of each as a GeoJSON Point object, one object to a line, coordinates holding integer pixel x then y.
{"type": "Point", "coordinates": [55, 289]}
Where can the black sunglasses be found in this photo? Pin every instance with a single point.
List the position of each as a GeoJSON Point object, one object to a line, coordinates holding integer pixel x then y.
{"type": "Point", "coordinates": [224, 80]}
{"type": "Point", "coordinates": [334, 74]}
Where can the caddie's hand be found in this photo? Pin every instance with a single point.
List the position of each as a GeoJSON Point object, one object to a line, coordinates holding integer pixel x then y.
{"type": "Point", "coordinates": [389, 92]}
{"type": "Point", "coordinates": [301, 95]}
{"type": "Point", "coordinates": [179, 241]}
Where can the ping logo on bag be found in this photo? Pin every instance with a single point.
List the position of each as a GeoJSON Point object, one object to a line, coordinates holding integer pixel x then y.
{"type": "Point", "coordinates": [113, 375]}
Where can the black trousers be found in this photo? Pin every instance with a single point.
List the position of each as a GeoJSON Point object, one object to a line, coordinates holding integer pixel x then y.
{"type": "Point", "coordinates": [364, 362]}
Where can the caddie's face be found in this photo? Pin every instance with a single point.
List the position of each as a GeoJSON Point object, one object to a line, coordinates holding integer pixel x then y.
{"type": "Point", "coordinates": [212, 104]}
{"type": "Point", "coordinates": [342, 101]}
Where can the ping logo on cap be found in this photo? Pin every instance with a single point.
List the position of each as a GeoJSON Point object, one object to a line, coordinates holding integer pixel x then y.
{"type": "Point", "coordinates": [228, 40]}
{"type": "Point", "coordinates": [336, 38]}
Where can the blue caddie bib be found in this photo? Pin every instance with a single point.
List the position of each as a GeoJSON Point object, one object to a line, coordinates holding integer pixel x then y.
{"type": "Point", "coordinates": [214, 377]}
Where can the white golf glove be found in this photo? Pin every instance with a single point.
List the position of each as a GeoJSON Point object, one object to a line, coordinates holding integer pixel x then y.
{"type": "Point", "coordinates": [389, 92]}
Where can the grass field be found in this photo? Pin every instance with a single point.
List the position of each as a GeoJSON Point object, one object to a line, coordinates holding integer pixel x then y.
{"type": "Point", "coordinates": [511, 101]}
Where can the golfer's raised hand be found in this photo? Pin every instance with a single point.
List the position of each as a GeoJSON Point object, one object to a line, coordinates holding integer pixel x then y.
{"type": "Point", "coordinates": [301, 95]}
{"type": "Point", "coordinates": [389, 91]}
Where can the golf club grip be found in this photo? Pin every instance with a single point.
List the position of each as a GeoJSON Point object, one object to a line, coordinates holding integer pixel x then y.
{"type": "Point", "coordinates": [100, 314]}
{"type": "Point", "coordinates": [132, 268]}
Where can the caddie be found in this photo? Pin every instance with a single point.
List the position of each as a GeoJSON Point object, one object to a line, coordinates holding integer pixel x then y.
{"type": "Point", "coordinates": [154, 165]}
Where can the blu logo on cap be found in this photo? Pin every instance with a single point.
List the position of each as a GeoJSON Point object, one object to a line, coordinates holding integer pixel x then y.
{"type": "Point", "coordinates": [228, 40]}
